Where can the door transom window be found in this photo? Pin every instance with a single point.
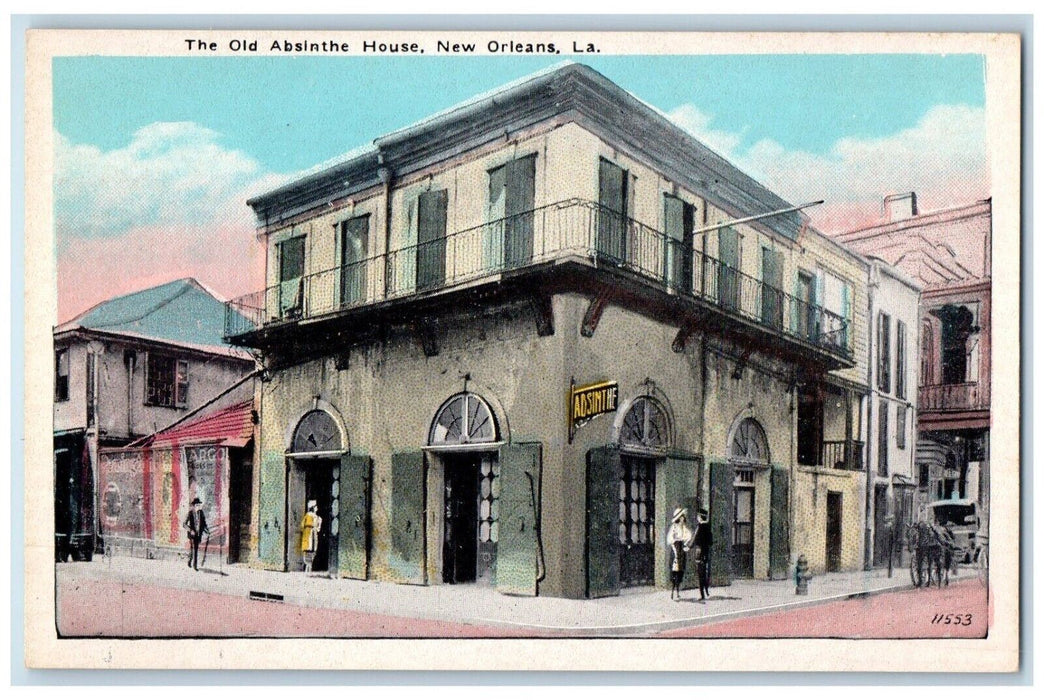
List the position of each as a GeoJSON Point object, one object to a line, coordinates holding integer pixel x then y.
{"type": "Point", "coordinates": [317, 432]}
{"type": "Point", "coordinates": [464, 419]}
{"type": "Point", "coordinates": [645, 425]}
{"type": "Point", "coordinates": [749, 443]}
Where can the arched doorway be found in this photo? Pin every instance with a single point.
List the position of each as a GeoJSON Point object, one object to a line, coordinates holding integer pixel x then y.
{"type": "Point", "coordinates": [465, 434]}
{"type": "Point", "coordinates": [748, 453]}
{"type": "Point", "coordinates": [644, 438]}
{"type": "Point", "coordinates": [314, 475]}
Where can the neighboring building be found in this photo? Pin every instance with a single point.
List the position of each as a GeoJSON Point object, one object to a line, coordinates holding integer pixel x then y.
{"type": "Point", "coordinates": [948, 253]}
{"type": "Point", "coordinates": [501, 345]}
{"type": "Point", "coordinates": [892, 498]}
{"type": "Point", "coordinates": [122, 370]}
{"type": "Point", "coordinates": [146, 489]}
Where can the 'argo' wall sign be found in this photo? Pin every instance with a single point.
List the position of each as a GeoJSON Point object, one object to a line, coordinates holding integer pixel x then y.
{"type": "Point", "coordinates": [586, 402]}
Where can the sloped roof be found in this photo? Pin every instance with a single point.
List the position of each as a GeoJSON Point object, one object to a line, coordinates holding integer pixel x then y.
{"type": "Point", "coordinates": [181, 312]}
{"type": "Point", "coordinates": [231, 426]}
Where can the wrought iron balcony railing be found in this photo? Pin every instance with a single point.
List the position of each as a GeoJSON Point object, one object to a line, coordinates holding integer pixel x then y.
{"type": "Point", "coordinates": [842, 454]}
{"type": "Point", "coordinates": [572, 228]}
{"type": "Point", "coordinates": [967, 396]}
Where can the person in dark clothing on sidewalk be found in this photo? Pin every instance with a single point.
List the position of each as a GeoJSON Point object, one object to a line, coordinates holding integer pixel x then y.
{"type": "Point", "coordinates": [196, 524]}
{"type": "Point", "coordinates": [702, 542]}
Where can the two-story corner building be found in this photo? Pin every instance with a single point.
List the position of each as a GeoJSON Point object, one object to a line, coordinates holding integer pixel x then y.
{"type": "Point", "coordinates": [124, 369]}
{"type": "Point", "coordinates": [948, 253]}
{"type": "Point", "coordinates": [892, 496]}
{"type": "Point", "coordinates": [503, 344]}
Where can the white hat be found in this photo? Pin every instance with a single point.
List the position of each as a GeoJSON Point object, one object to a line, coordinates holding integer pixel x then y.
{"type": "Point", "coordinates": [311, 504]}
{"type": "Point", "coordinates": [679, 513]}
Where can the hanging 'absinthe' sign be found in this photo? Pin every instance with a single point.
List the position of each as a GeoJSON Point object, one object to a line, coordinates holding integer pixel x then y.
{"type": "Point", "coordinates": [586, 402]}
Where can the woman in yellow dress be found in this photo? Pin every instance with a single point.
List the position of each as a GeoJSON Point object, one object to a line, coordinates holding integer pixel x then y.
{"type": "Point", "coordinates": [310, 525]}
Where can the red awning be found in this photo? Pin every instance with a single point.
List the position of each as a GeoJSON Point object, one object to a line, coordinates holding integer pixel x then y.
{"type": "Point", "coordinates": [231, 426]}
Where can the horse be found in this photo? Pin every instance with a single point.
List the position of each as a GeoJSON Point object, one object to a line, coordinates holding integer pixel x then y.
{"type": "Point", "coordinates": [927, 553]}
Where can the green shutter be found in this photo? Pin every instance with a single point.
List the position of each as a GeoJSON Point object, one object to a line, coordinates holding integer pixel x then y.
{"type": "Point", "coordinates": [674, 250]}
{"type": "Point", "coordinates": [271, 507]}
{"type": "Point", "coordinates": [406, 559]}
{"type": "Point", "coordinates": [520, 193]}
{"type": "Point", "coordinates": [353, 525]}
{"type": "Point", "coordinates": [722, 477]}
{"type": "Point", "coordinates": [678, 486]}
{"type": "Point", "coordinates": [517, 545]}
{"type": "Point", "coordinates": [779, 524]}
{"type": "Point", "coordinates": [772, 286]}
{"type": "Point", "coordinates": [603, 520]}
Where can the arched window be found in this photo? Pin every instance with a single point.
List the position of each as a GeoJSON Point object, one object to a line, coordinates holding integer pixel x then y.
{"type": "Point", "coordinates": [464, 419]}
{"type": "Point", "coordinates": [317, 432]}
{"type": "Point", "coordinates": [645, 425]}
{"type": "Point", "coordinates": [749, 443]}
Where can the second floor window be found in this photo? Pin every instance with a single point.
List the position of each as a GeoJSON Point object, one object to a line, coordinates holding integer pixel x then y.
{"type": "Point", "coordinates": [772, 287]}
{"type": "Point", "coordinates": [900, 359]}
{"type": "Point", "coordinates": [679, 221]}
{"type": "Point", "coordinates": [611, 234]}
{"type": "Point", "coordinates": [166, 381]}
{"type": "Point", "coordinates": [431, 239]}
{"type": "Point", "coordinates": [884, 352]}
{"type": "Point", "coordinates": [512, 198]}
{"type": "Point", "coordinates": [355, 236]}
{"type": "Point", "coordinates": [291, 274]}
{"type": "Point", "coordinates": [61, 375]}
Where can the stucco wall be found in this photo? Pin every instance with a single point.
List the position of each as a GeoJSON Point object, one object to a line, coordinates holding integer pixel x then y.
{"type": "Point", "coordinates": [808, 536]}
{"type": "Point", "coordinates": [123, 414]}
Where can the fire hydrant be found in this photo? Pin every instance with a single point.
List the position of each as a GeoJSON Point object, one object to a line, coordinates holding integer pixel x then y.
{"type": "Point", "coordinates": [802, 576]}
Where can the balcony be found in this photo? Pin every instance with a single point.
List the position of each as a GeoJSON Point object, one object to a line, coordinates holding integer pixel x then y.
{"type": "Point", "coordinates": [575, 230]}
{"type": "Point", "coordinates": [968, 396]}
{"type": "Point", "coordinates": [842, 454]}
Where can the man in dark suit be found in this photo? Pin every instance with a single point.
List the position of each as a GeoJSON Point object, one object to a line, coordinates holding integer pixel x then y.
{"type": "Point", "coordinates": [196, 523]}
{"type": "Point", "coordinates": [702, 540]}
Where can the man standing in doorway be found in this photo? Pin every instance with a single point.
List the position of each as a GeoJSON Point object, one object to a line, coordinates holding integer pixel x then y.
{"type": "Point", "coordinates": [702, 542]}
{"type": "Point", "coordinates": [196, 523]}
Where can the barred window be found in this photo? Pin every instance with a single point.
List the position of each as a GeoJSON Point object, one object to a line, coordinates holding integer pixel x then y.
{"type": "Point", "coordinates": [166, 381]}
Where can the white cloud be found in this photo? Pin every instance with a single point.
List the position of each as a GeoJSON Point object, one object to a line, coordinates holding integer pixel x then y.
{"type": "Point", "coordinates": [697, 123]}
{"type": "Point", "coordinates": [943, 158]}
{"type": "Point", "coordinates": [171, 173]}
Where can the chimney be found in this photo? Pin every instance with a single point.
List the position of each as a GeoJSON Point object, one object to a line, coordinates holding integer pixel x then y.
{"type": "Point", "coordinates": [900, 206]}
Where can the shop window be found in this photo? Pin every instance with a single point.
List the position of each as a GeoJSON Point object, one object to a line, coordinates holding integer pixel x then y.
{"type": "Point", "coordinates": [61, 375]}
{"type": "Point", "coordinates": [166, 381]}
{"type": "Point", "coordinates": [464, 419]}
{"type": "Point", "coordinates": [645, 425]}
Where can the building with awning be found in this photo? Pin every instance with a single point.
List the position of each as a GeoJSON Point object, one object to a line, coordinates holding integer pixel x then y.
{"type": "Point", "coordinates": [145, 489]}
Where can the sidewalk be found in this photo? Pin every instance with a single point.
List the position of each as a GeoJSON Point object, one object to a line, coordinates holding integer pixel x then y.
{"type": "Point", "coordinates": [635, 612]}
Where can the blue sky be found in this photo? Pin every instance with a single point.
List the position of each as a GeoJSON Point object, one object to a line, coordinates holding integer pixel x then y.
{"type": "Point", "coordinates": [155, 157]}
{"type": "Point", "coordinates": [290, 113]}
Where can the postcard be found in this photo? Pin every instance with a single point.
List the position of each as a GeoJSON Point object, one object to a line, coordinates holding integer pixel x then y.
{"type": "Point", "coordinates": [506, 350]}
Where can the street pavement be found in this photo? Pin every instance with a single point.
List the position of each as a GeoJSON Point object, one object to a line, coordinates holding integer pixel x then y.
{"type": "Point", "coordinates": [127, 596]}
